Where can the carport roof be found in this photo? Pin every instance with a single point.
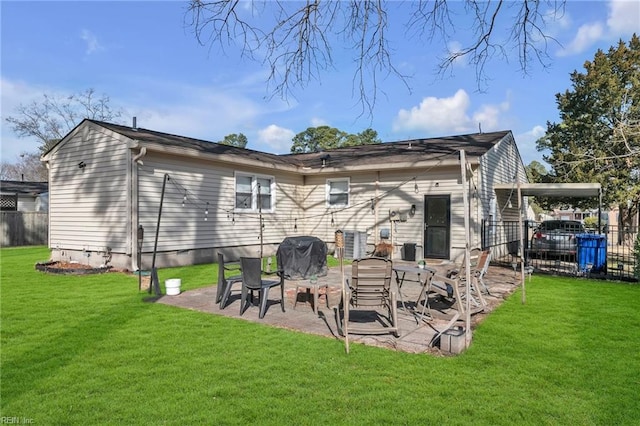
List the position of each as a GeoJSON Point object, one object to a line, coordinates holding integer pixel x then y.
{"type": "Point", "coordinates": [573, 190]}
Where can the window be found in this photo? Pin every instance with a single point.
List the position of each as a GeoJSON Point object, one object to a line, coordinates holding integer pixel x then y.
{"type": "Point", "coordinates": [337, 192]}
{"type": "Point", "coordinates": [253, 191]}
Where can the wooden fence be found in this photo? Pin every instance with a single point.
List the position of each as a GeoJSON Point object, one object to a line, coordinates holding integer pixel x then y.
{"type": "Point", "coordinates": [24, 228]}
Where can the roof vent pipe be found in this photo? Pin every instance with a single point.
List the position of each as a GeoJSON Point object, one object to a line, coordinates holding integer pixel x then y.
{"type": "Point", "coordinates": [135, 123]}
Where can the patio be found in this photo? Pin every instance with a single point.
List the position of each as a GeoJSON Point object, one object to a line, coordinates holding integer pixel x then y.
{"type": "Point", "coordinates": [415, 334]}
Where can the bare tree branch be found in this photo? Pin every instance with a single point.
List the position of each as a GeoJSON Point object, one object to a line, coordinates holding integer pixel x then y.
{"type": "Point", "coordinates": [50, 119]}
{"type": "Point", "coordinates": [297, 39]}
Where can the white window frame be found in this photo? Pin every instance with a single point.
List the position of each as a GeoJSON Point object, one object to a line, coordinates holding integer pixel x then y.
{"type": "Point", "coordinates": [328, 192]}
{"type": "Point", "coordinates": [254, 192]}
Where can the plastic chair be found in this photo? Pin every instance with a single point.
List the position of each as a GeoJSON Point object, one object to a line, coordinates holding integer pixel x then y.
{"type": "Point", "coordinates": [252, 280]}
{"type": "Point", "coordinates": [225, 284]}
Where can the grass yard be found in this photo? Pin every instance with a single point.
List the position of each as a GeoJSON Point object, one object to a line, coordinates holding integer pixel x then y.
{"type": "Point", "coordinates": [80, 350]}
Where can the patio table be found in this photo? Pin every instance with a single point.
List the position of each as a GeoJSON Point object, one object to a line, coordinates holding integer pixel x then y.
{"type": "Point", "coordinates": [424, 276]}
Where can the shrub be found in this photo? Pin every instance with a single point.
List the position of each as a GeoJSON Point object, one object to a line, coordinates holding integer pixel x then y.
{"type": "Point", "coordinates": [591, 222]}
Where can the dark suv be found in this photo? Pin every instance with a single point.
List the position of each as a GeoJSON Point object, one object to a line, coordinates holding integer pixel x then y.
{"type": "Point", "coordinates": [554, 238]}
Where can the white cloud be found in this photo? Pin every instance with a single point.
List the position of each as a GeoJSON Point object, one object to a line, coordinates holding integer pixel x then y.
{"type": "Point", "coordinates": [91, 40]}
{"type": "Point", "coordinates": [622, 20]}
{"type": "Point", "coordinates": [277, 138]}
{"type": "Point", "coordinates": [449, 115]}
{"type": "Point", "coordinates": [317, 122]}
{"type": "Point", "coordinates": [587, 34]}
{"type": "Point", "coordinates": [436, 114]}
{"type": "Point", "coordinates": [194, 111]}
{"type": "Point", "coordinates": [488, 116]}
{"type": "Point", "coordinates": [527, 144]}
{"type": "Point", "coordinates": [624, 17]}
{"type": "Point", "coordinates": [455, 47]}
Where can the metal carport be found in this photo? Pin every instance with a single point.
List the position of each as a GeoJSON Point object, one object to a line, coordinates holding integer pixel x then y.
{"type": "Point", "coordinates": [505, 191]}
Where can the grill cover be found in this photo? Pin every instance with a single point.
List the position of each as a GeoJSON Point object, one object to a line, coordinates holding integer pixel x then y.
{"type": "Point", "coordinates": [302, 257]}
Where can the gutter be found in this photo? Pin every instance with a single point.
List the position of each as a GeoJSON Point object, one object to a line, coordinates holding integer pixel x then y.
{"type": "Point", "coordinates": [136, 248]}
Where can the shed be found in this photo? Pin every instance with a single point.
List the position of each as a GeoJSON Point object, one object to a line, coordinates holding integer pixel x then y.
{"type": "Point", "coordinates": [23, 196]}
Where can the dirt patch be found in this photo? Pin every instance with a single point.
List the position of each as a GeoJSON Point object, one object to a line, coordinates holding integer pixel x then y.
{"type": "Point", "coordinates": [70, 268]}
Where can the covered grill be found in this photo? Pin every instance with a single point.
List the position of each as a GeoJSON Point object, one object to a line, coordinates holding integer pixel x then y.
{"type": "Point", "coordinates": [302, 257]}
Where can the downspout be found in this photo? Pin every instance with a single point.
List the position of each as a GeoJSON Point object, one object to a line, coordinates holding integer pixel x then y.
{"type": "Point", "coordinates": [376, 230]}
{"type": "Point", "coordinates": [136, 162]}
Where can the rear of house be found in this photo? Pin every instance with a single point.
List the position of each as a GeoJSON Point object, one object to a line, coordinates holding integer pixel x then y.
{"type": "Point", "coordinates": [106, 181]}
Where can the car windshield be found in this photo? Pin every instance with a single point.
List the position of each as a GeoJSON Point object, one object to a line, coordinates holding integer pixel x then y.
{"type": "Point", "coordinates": [562, 225]}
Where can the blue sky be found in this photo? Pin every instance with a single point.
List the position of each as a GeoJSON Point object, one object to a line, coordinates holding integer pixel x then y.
{"type": "Point", "coordinates": [147, 60]}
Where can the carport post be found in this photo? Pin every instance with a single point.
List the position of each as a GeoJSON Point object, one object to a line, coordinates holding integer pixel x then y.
{"type": "Point", "coordinates": [520, 212]}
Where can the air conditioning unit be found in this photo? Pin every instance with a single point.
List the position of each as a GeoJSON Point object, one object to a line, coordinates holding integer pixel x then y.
{"type": "Point", "coordinates": [355, 244]}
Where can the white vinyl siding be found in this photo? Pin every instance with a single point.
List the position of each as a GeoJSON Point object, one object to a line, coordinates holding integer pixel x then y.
{"type": "Point", "coordinates": [396, 191]}
{"type": "Point", "coordinates": [501, 164]}
{"type": "Point", "coordinates": [88, 206]}
{"type": "Point", "coordinates": [184, 228]}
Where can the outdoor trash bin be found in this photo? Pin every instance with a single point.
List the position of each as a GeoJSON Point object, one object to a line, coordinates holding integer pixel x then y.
{"type": "Point", "coordinates": [592, 250]}
{"type": "Point", "coordinates": [409, 251]}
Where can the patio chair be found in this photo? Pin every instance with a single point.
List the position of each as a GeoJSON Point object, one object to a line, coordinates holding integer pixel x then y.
{"type": "Point", "coordinates": [481, 270]}
{"type": "Point", "coordinates": [370, 288]}
{"type": "Point", "coordinates": [479, 262]}
{"type": "Point", "coordinates": [225, 284]}
{"type": "Point", "coordinates": [252, 281]}
{"type": "Point", "coordinates": [474, 255]}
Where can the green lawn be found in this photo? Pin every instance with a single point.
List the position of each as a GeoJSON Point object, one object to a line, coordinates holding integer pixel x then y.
{"type": "Point", "coordinates": [82, 350]}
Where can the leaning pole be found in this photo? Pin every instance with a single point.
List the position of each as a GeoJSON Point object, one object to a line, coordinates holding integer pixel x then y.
{"type": "Point", "coordinates": [155, 284]}
{"type": "Point", "coordinates": [467, 262]}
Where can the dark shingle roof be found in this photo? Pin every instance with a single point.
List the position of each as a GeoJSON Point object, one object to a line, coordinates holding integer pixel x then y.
{"type": "Point", "coordinates": [415, 150]}
{"type": "Point", "coordinates": [20, 187]}
{"type": "Point", "coordinates": [152, 136]}
{"type": "Point", "coordinates": [409, 151]}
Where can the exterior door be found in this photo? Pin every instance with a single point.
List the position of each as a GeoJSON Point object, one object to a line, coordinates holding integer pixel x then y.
{"type": "Point", "coordinates": [437, 226]}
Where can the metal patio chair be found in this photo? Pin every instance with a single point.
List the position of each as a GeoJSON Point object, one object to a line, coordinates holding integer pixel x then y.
{"type": "Point", "coordinates": [370, 288]}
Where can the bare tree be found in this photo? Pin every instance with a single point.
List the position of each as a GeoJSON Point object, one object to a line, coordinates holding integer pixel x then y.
{"type": "Point", "coordinates": [28, 168]}
{"type": "Point", "coordinates": [51, 118]}
{"type": "Point", "coordinates": [297, 39]}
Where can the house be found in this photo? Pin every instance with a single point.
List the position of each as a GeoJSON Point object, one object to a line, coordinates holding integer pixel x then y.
{"type": "Point", "coordinates": [107, 180]}
{"type": "Point", "coordinates": [571, 213]}
{"type": "Point", "coordinates": [23, 196]}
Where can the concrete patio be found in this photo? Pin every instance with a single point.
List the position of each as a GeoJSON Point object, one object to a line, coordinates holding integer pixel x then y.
{"type": "Point", "coordinates": [415, 335]}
